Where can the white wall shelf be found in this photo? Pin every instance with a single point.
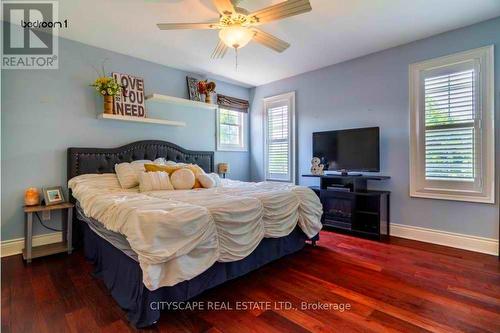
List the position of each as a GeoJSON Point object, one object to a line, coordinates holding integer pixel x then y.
{"type": "Point", "coordinates": [141, 120]}
{"type": "Point", "coordinates": [180, 101]}
{"type": "Point", "coordinates": [162, 99]}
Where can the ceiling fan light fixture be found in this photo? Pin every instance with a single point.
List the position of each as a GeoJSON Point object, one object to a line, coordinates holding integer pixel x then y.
{"type": "Point", "coordinates": [236, 36]}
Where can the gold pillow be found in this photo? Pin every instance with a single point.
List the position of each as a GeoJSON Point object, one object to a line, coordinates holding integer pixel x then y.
{"type": "Point", "coordinates": [165, 168]}
{"type": "Point", "coordinates": [196, 169]}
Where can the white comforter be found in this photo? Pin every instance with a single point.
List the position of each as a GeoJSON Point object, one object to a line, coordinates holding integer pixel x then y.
{"type": "Point", "coordinates": [179, 234]}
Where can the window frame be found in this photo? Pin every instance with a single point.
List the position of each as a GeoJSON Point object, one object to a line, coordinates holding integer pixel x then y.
{"type": "Point", "coordinates": [242, 146]}
{"type": "Point", "coordinates": [482, 189]}
{"type": "Point", "coordinates": [290, 99]}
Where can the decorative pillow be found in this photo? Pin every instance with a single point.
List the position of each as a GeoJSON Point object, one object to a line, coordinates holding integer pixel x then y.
{"type": "Point", "coordinates": [154, 181]}
{"type": "Point", "coordinates": [197, 171]}
{"type": "Point", "coordinates": [215, 177]}
{"type": "Point", "coordinates": [160, 160]}
{"type": "Point", "coordinates": [127, 174]}
{"type": "Point", "coordinates": [170, 168]}
{"type": "Point", "coordinates": [183, 179]}
{"type": "Point", "coordinates": [141, 162]}
{"type": "Point", "coordinates": [205, 180]}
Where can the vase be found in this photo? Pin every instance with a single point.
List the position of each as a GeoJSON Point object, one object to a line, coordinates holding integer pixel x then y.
{"type": "Point", "coordinates": [208, 98]}
{"type": "Point", "coordinates": [108, 104]}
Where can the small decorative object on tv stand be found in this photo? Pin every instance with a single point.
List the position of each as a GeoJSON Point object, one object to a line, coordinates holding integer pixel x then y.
{"type": "Point", "coordinates": [350, 207]}
{"type": "Point", "coordinates": [316, 166]}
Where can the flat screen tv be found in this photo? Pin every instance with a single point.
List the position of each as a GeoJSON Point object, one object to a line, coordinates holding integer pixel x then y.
{"type": "Point", "coordinates": [346, 150]}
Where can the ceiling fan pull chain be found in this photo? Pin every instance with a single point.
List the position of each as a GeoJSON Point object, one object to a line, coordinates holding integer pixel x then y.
{"type": "Point", "coordinates": [236, 51]}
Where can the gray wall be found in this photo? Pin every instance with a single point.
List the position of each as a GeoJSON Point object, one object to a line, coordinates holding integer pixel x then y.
{"type": "Point", "coordinates": [47, 111]}
{"type": "Point", "coordinates": [373, 91]}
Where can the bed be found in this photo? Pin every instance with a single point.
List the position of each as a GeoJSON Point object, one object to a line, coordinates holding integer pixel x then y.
{"type": "Point", "coordinates": [168, 246]}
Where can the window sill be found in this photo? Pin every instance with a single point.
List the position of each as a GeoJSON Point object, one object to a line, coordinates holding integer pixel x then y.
{"type": "Point", "coordinates": [488, 199]}
{"type": "Point", "coordinates": [279, 180]}
{"type": "Point", "coordinates": [240, 150]}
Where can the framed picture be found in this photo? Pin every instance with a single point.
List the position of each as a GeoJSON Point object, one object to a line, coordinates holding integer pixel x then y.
{"type": "Point", "coordinates": [53, 195]}
{"type": "Point", "coordinates": [192, 83]}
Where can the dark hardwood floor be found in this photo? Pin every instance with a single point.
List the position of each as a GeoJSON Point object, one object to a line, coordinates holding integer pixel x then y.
{"type": "Point", "coordinates": [401, 285]}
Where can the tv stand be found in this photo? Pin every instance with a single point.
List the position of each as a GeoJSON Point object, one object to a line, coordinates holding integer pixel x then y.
{"type": "Point", "coordinates": [350, 207]}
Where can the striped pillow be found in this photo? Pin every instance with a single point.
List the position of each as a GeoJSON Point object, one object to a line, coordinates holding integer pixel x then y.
{"type": "Point", "coordinates": [154, 181]}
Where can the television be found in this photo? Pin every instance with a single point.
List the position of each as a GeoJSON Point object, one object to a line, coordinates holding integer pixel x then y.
{"type": "Point", "coordinates": [346, 150]}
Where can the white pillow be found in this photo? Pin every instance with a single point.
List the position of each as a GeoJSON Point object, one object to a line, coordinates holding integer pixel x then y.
{"type": "Point", "coordinates": [215, 177]}
{"type": "Point", "coordinates": [182, 179]}
{"type": "Point", "coordinates": [141, 162]}
{"type": "Point", "coordinates": [154, 181]}
{"type": "Point", "coordinates": [205, 180]}
{"type": "Point", "coordinates": [128, 173]}
{"type": "Point", "coordinates": [160, 160]}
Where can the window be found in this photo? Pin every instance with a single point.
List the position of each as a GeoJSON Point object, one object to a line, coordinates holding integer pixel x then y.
{"type": "Point", "coordinates": [452, 127]}
{"type": "Point", "coordinates": [231, 130]}
{"type": "Point", "coordinates": [279, 137]}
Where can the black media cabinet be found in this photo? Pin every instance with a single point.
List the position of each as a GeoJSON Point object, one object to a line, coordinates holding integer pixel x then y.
{"type": "Point", "coordinates": [350, 207]}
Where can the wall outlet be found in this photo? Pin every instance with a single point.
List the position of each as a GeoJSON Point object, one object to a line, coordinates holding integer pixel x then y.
{"type": "Point", "coordinates": [46, 215]}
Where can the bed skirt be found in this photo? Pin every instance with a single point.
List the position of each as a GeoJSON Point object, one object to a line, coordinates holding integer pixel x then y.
{"type": "Point", "coordinates": [123, 276]}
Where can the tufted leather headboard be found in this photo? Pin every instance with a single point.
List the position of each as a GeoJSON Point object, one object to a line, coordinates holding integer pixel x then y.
{"type": "Point", "coordinates": [102, 160]}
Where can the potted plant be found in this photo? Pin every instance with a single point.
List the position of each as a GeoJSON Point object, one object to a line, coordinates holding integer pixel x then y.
{"type": "Point", "coordinates": [206, 88]}
{"type": "Point", "coordinates": [107, 87]}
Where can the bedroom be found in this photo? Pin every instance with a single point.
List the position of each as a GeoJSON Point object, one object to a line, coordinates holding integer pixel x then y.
{"type": "Point", "coordinates": [243, 251]}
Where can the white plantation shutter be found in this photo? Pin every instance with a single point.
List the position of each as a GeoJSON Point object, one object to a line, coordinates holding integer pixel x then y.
{"type": "Point", "coordinates": [279, 138]}
{"type": "Point", "coordinates": [450, 133]}
{"type": "Point", "coordinates": [278, 142]}
{"type": "Point", "coordinates": [452, 127]}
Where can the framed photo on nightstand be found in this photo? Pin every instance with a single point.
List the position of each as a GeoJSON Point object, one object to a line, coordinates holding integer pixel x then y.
{"type": "Point", "coordinates": [53, 195]}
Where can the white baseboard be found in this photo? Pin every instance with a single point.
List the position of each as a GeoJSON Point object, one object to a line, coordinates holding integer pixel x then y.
{"type": "Point", "coordinates": [461, 241]}
{"type": "Point", "coordinates": [15, 246]}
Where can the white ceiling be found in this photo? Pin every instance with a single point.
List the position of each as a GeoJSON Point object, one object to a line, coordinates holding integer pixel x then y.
{"type": "Point", "coordinates": [335, 31]}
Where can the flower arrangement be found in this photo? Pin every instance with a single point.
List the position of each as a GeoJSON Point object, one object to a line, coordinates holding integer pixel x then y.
{"type": "Point", "coordinates": [206, 88]}
{"type": "Point", "coordinates": [107, 86]}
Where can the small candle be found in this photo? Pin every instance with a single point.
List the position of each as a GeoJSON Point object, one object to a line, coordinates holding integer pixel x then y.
{"type": "Point", "coordinates": [31, 196]}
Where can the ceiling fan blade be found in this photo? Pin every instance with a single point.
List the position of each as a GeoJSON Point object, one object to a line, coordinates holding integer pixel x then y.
{"type": "Point", "coordinates": [224, 7]}
{"type": "Point", "coordinates": [281, 10]}
{"type": "Point", "coordinates": [220, 51]}
{"type": "Point", "coordinates": [269, 40]}
{"type": "Point", "coordinates": [177, 26]}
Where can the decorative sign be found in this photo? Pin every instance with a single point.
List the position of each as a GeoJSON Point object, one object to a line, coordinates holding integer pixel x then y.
{"type": "Point", "coordinates": [131, 100]}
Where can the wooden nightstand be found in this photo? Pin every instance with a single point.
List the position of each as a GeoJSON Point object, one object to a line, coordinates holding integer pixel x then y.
{"type": "Point", "coordinates": [29, 251]}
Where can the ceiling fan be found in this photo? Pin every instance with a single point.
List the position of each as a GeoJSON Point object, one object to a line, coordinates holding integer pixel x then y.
{"type": "Point", "coordinates": [238, 27]}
